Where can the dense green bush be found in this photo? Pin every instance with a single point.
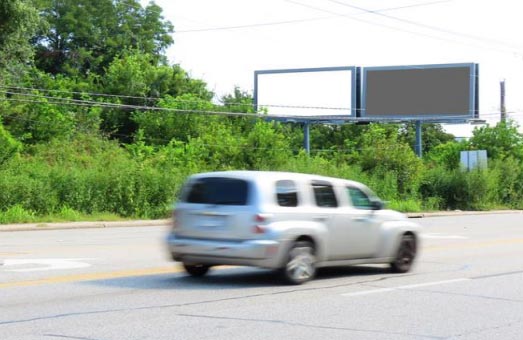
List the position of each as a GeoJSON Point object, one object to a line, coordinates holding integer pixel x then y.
{"type": "Point", "coordinates": [87, 176]}
{"type": "Point", "coordinates": [9, 147]}
{"type": "Point", "coordinates": [384, 154]}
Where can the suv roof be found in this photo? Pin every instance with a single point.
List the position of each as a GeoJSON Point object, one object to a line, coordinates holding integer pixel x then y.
{"type": "Point", "coordinates": [257, 176]}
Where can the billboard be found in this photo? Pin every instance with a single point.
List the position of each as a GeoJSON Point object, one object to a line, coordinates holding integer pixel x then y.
{"type": "Point", "coordinates": [311, 93]}
{"type": "Point", "coordinates": [423, 92]}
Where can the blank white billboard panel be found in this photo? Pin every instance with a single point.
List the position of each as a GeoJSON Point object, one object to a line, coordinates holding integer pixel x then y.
{"type": "Point", "coordinates": [306, 92]}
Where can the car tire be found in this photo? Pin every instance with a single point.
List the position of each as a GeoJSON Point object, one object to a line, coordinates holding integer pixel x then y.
{"type": "Point", "coordinates": [405, 255]}
{"type": "Point", "coordinates": [196, 270]}
{"type": "Point", "coordinates": [300, 265]}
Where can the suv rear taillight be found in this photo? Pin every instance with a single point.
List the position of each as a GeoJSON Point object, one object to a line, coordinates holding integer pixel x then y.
{"type": "Point", "coordinates": [258, 229]}
{"type": "Point", "coordinates": [260, 218]}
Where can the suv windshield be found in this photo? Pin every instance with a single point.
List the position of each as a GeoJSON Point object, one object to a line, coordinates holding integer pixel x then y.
{"type": "Point", "coordinates": [218, 190]}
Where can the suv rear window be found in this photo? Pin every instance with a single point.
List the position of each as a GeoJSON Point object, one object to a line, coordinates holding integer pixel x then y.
{"type": "Point", "coordinates": [218, 190]}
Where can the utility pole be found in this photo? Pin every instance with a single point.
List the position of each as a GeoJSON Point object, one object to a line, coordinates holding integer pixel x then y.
{"type": "Point", "coordinates": [419, 140]}
{"type": "Point", "coordinates": [502, 108]}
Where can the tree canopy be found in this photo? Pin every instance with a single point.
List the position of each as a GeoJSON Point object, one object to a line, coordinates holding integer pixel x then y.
{"type": "Point", "coordinates": [18, 23]}
{"type": "Point", "coordinates": [85, 36]}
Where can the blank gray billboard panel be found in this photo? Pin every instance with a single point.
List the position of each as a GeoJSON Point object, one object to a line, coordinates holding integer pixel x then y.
{"type": "Point", "coordinates": [430, 91]}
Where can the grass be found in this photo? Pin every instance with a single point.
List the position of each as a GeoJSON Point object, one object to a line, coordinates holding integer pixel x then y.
{"type": "Point", "coordinates": [17, 214]}
{"type": "Point", "coordinates": [405, 205]}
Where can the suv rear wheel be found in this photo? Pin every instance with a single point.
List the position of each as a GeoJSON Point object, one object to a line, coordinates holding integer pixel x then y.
{"type": "Point", "coordinates": [196, 269]}
{"type": "Point", "coordinates": [300, 265]}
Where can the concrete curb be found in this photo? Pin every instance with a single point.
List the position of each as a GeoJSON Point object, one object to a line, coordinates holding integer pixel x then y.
{"type": "Point", "coordinates": [460, 213]}
{"type": "Point", "coordinates": [82, 225]}
{"type": "Point", "coordinates": [166, 222]}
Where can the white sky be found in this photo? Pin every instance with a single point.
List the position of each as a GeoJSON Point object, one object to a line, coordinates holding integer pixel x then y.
{"type": "Point", "coordinates": [327, 33]}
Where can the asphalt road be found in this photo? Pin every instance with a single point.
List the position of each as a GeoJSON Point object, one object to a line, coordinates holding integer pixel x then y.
{"type": "Point", "coordinates": [118, 283]}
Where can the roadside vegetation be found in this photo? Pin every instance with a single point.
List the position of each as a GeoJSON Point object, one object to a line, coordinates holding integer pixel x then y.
{"type": "Point", "coordinates": [96, 124]}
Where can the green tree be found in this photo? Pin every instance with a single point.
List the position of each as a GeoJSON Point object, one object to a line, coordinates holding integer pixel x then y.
{"type": "Point", "coordinates": [9, 147]}
{"type": "Point", "coordinates": [44, 107]}
{"type": "Point", "coordinates": [40, 121]}
{"type": "Point", "coordinates": [181, 120]}
{"type": "Point", "coordinates": [447, 154]}
{"type": "Point", "coordinates": [500, 141]}
{"type": "Point", "coordinates": [432, 135]}
{"type": "Point", "coordinates": [138, 74]}
{"type": "Point", "coordinates": [238, 101]}
{"type": "Point", "coordinates": [337, 141]}
{"type": "Point", "coordinates": [84, 36]}
{"type": "Point", "coordinates": [383, 154]}
{"type": "Point", "coordinates": [144, 83]}
{"type": "Point", "coordinates": [18, 23]}
{"type": "Point", "coordinates": [267, 148]}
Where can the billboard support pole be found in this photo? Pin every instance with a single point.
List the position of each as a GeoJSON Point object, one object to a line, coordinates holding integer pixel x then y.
{"type": "Point", "coordinates": [418, 146]}
{"type": "Point", "coordinates": [306, 137]}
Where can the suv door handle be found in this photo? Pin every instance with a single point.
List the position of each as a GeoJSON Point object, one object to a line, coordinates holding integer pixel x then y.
{"type": "Point", "coordinates": [320, 218]}
{"type": "Point", "coordinates": [360, 218]}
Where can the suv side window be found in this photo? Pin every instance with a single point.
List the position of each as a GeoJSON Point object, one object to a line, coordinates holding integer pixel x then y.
{"type": "Point", "coordinates": [286, 193]}
{"type": "Point", "coordinates": [359, 199]}
{"type": "Point", "coordinates": [324, 194]}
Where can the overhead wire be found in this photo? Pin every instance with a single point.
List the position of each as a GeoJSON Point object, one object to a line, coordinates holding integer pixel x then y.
{"type": "Point", "coordinates": [83, 102]}
{"type": "Point", "coordinates": [435, 37]}
{"type": "Point", "coordinates": [426, 26]}
{"type": "Point", "coordinates": [89, 103]}
{"type": "Point", "coordinates": [37, 98]}
{"type": "Point", "coordinates": [232, 146]}
{"type": "Point", "coordinates": [285, 22]}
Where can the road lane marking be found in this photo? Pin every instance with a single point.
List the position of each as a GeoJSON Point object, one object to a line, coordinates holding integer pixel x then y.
{"type": "Point", "coordinates": [45, 264]}
{"type": "Point", "coordinates": [12, 253]}
{"type": "Point", "coordinates": [475, 245]}
{"type": "Point", "coordinates": [93, 277]}
{"type": "Point", "coordinates": [390, 289]}
{"type": "Point", "coordinates": [442, 236]}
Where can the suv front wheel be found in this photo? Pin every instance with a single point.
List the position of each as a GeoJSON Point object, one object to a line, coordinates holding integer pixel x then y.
{"type": "Point", "coordinates": [196, 269]}
{"type": "Point", "coordinates": [405, 255]}
{"type": "Point", "coordinates": [300, 265]}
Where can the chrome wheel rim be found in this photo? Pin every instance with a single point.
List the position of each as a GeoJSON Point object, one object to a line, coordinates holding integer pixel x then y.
{"type": "Point", "coordinates": [407, 252]}
{"type": "Point", "coordinates": [301, 264]}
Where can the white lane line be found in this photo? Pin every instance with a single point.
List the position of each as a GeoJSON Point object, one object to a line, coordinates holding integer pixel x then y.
{"type": "Point", "coordinates": [443, 236]}
{"type": "Point", "coordinates": [384, 290]}
{"type": "Point", "coordinates": [44, 264]}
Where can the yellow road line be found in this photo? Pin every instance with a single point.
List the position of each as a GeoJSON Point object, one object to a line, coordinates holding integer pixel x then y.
{"type": "Point", "coordinates": [92, 276]}
{"type": "Point", "coordinates": [13, 253]}
{"type": "Point", "coordinates": [174, 269]}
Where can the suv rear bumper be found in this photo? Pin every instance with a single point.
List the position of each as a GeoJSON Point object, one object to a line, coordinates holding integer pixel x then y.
{"type": "Point", "coordinates": [258, 253]}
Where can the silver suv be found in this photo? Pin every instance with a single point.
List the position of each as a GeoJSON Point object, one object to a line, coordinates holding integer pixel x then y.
{"type": "Point", "coordinates": [287, 221]}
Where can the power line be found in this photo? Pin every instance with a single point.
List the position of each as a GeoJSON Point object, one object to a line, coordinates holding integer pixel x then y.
{"type": "Point", "coordinates": [77, 92]}
{"type": "Point", "coordinates": [95, 94]}
{"type": "Point", "coordinates": [236, 146]}
{"type": "Point", "coordinates": [285, 22]}
{"type": "Point", "coordinates": [83, 102]}
{"type": "Point", "coordinates": [135, 107]}
{"type": "Point", "coordinates": [36, 99]}
{"type": "Point", "coordinates": [273, 23]}
{"type": "Point", "coordinates": [430, 27]}
{"type": "Point", "coordinates": [351, 17]}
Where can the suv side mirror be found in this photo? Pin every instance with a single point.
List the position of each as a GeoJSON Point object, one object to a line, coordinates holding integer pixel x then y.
{"type": "Point", "coordinates": [377, 204]}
